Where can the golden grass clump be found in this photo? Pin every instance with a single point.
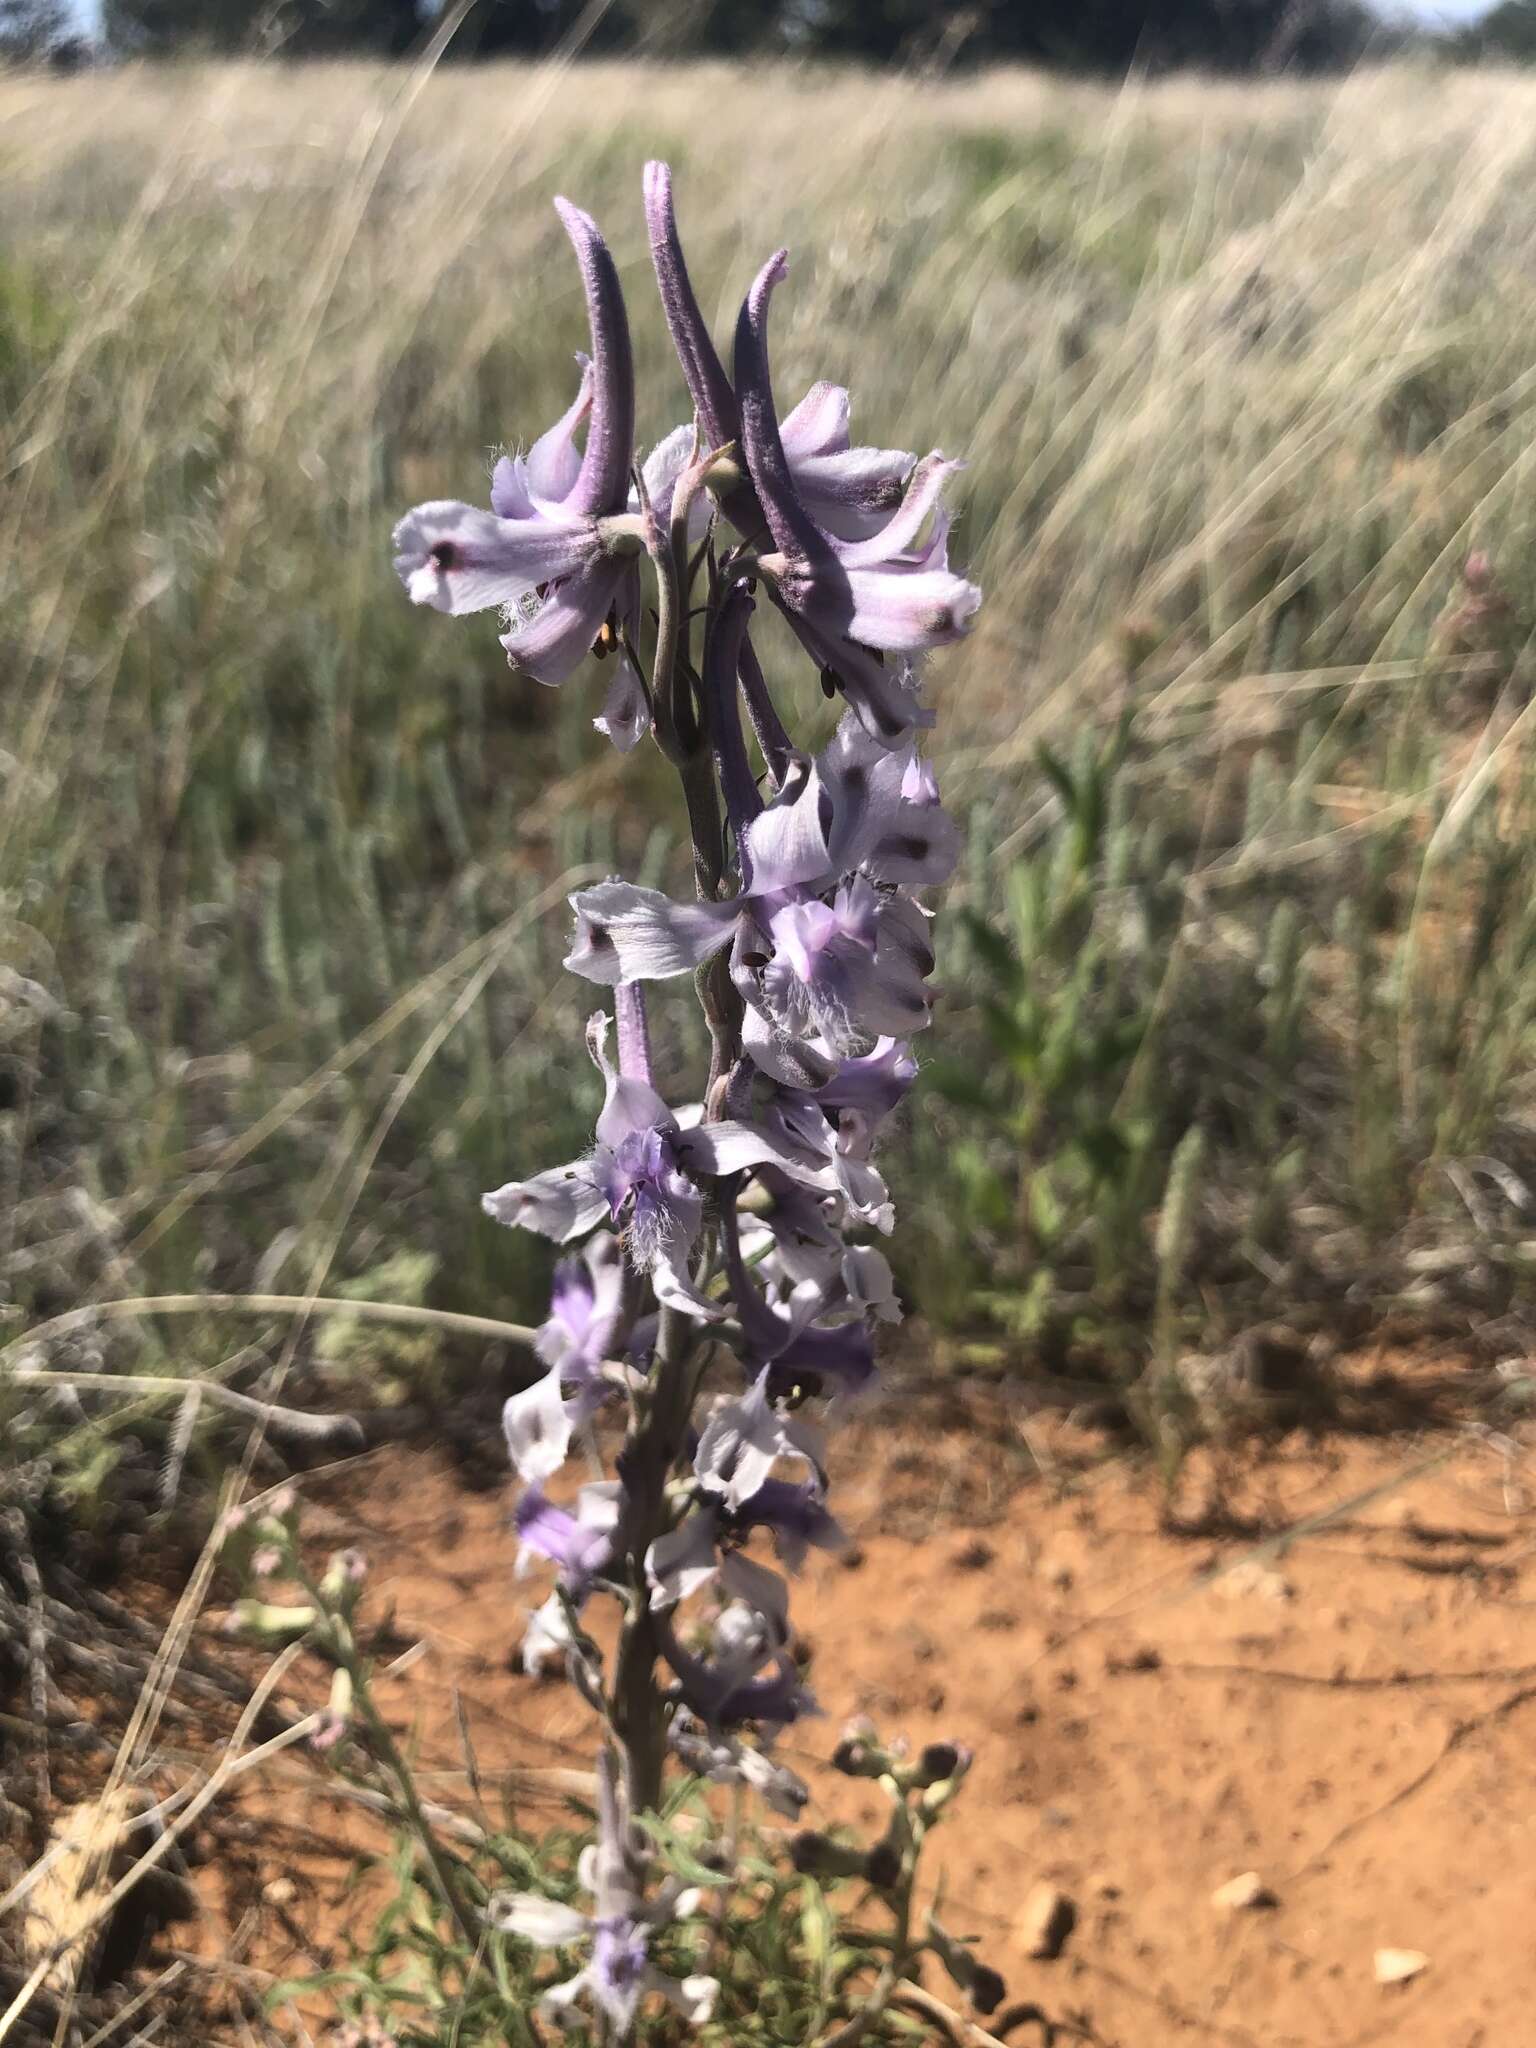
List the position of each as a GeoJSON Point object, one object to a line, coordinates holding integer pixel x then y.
{"type": "Point", "coordinates": [1243, 373]}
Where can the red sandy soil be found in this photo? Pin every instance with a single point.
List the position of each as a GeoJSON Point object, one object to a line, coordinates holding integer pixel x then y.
{"type": "Point", "coordinates": [1161, 1695]}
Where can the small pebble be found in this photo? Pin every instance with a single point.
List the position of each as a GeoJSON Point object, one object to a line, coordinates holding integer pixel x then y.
{"type": "Point", "coordinates": [1047, 1918]}
{"type": "Point", "coordinates": [1398, 1965]}
{"type": "Point", "coordinates": [1252, 1577]}
{"type": "Point", "coordinates": [1247, 1893]}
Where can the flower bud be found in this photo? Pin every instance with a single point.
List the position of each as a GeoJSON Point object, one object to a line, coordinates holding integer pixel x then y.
{"type": "Point", "coordinates": [622, 534]}
{"type": "Point", "coordinates": [859, 1754]}
{"type": "Point", "coordinates": [344, 1576]}
{"type": "Point", "coordinates": [882, 1866]}
{"type": "Point", "coordinates": [726, 473]}
{"type": "Point", "coordinates": [275, 1623]}
{"type": "Point", "coordinates": [937, 1761]}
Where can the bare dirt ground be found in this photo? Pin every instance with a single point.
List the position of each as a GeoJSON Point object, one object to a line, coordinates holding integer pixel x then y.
{"type": "Point", "coordinates": [1315, 1661]}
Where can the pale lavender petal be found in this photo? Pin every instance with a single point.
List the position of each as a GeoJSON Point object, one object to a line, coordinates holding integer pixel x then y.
{"type": "Point", "coordinates": [546, 1637]}
{"type": "Point", "coordinates": [870, 1284]}
{"type": "Point", "coordinates": [794, 1063]}
{"type": "Point", "coordinates": [626, 715]}
{"type": "Point", "coordinates": [630, 1106]}
{"type": "Point", "coordinates": [634, 1031]}
{"type": "Point", "coordinates": [762, 1590]}
{"type": "Point", "coordinates": [881, 698]}
{"type": "Point", "coordinates": [683, 1561]}
{"type": "Point", "coordinates": [458, 558]}
{"type": "Point", "coordinates": [619, 1973]}
{"type": "Point", "coordinates": [602, 482]}
{"type": "Point", "coordinates": [874, 825]}
{"type": "Point", "coordinates": [510, 495]}
{"type": "Point", "coordinates": [625, 933]}
{"type": "Point", "coordinates": [904, 932]}
{"type": "Point", "coordinates": [552, 641]}
{"type": "Point", "coordinates": [674, 1288]}
{"type": "Point", "coordinates": [873, 1083]}
{"type": "Point", "coordinates": [531, 1917]}
{"type": "Point", "coordinates": [661, 470]}
{"type": "Point", "coordinates": [744, 1439]}
{"type": "Point", "coordinates": [556, 2003]}
{"type": "Point", "coordinates": [579, 1548]}
{"type": "Point", "coordinates": [895, 612]}
{"type": "Point", "coordinates": [919, 846]}
{"type": "Point", "coordinates": [786, 844]}
{"type": "Point", "coordinates": [900, 532]}
{"type": "Point", "coordinates": [694, 1997]}
{"type": "Point", "coordinates": [554, 461]}
{"type": "Point", "coordinates": [851, 493]}
{"type": "Point", "coordinates": [862, 779]}
{"type": "Point", "coordinates": [818, 425]}
{"type": "Point", "coordinates": [538, 1430]}
{"type": "Point", "coordinates": [664, 465]}
{"type": "Point", "coordinates": [560, 1203]}
{"type": "Point", "coordinates": [731, 1147]}
{"type": "Point", "coordinates": [919, 783]}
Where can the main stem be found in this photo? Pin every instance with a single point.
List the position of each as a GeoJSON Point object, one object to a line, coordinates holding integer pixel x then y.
{"type": "Point", "coordinates": [653, 1446]}
{"type": "Point", "coordinates": [658, 1432]}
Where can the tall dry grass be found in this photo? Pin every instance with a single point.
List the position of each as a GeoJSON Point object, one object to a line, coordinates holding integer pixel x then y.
{"type": "Point", "coordinates": [1243, 374]}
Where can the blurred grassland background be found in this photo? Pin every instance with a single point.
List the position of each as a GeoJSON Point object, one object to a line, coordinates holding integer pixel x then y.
{"type": "Point", "coordinates": [1240, 976]}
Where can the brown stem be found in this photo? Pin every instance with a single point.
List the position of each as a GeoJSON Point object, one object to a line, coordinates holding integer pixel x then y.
{"type": "Point", "coordinates": [654, 1444]}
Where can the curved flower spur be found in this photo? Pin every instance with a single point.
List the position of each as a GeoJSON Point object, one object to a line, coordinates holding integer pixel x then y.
{"type": "Point", "coordinates": [720, 1292]}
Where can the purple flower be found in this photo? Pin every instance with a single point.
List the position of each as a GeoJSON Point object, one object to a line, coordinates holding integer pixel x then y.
{"type": "Point", "coordinates": [794, 1351]}
{"type": "Point", "coordinates": [850, 602]}
{"type": "Point", "coordinates": [689, 1557]}
{"type": "Point", "coordinates": [744, 1439]}
{"type": "Point", "coordinates": [849, 491]}
{"type": "Point", "coordinates": [824, 945]}
{"type": "Point", "coordinates": [585, 1309]}
{"type": "Point", "coordinates": [723, 1680]}
{"type": "Point", "coordinates": [620, 1972]}
{"type": "Point", "coordinates": [642, 1174]}
{"type": "Point", "coordinates": [727, 1691]}
{"type": "Point", "coordinates": [832, 1110]}
{"type": "Point", "coordinates": [538, 1426]}
{"type": "Point", "coordinates": [582, 1543]}
{"type": "Point", "coordinates": [557, 550]}
{"type": "Point", "coordinates": [725, 1760]}
{"type": "Point", "coordinates": [845, 971]}
{"type": "Point", "coordinates": [797, 1516]}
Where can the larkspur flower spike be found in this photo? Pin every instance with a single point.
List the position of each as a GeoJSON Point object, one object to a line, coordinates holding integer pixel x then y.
{"type": "Point", "coordinates": [743, 1213]}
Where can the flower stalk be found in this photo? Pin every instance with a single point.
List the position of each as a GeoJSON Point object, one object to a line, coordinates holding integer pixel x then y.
{"type": "Point", "coordinates": [720, 1246]}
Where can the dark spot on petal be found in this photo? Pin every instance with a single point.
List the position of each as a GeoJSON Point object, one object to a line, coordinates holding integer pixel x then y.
{"type": "Point", "coordinates": [830, 682]}
{"type": "Point", "coordinates": [904, 847]}
{"type": "Point", "coordinates": [444, 554]}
